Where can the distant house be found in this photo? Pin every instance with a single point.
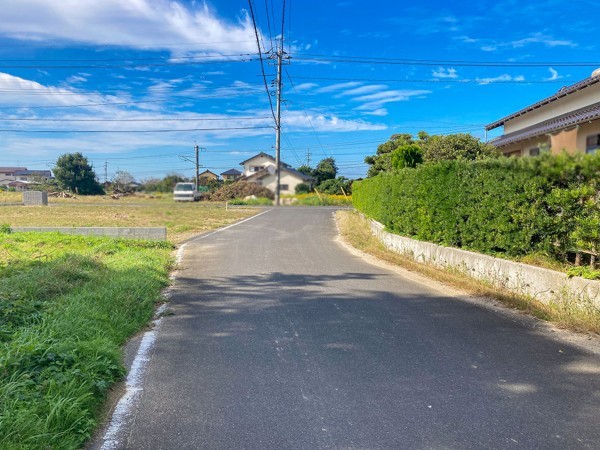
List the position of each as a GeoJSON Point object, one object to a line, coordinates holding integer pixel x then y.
{"type": "Point", "coordinates": [9, 176]}
{"type": "Point", "coordinates": [568, 120]}
{"type": "Point", "coordinates": [206, 176]}
{"type": "Point", "coordinates": [260, 169]}
{"type": "Point", "coordinates": [231, 175]}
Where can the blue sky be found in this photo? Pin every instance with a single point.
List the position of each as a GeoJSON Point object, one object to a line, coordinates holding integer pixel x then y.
{"type": "Point", "coordinates": [137, 83]}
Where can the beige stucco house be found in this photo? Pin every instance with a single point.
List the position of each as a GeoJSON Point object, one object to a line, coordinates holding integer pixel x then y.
{"type": "Point", "coordinates": [568, 120]}
{"type": "Point", "coordinates": [260, 169]}
{"type": "Point", "coordinates": [207, 176]}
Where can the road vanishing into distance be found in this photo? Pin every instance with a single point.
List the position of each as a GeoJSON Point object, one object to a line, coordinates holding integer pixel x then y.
{"type": "Point", "coordinates": [282, 339]}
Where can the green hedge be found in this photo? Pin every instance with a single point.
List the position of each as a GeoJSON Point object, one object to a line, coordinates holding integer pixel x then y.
{"type": "Point", "coordinates": [498, 206]}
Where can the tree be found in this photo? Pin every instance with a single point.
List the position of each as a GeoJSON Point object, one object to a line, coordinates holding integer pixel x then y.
{"type": "Point", "coordinates": [165, 185]}
{"type": "Point", "coordinates": [306, 170]}
{"type": "Point", "coordinates": [456, 146]}
{"type": "Point", "coordinates": [382, 160]}
{"type": "Point", "coordinates": [325, 170]}
{"type": "Point", "coordinates": [409, 155]}
{"type": "Point", "coordinates": [336, 186]}
{"type": "Point", "coordinates": [72, 171]}
{"type": "Point", "coordinates": [122, 179]}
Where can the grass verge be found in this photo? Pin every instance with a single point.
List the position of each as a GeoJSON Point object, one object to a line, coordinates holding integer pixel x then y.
{"type": "Point", "coordinates": [182, 220]}
{"type": "Point", "coordinates": [67, 305]}
{"type": "Point", "coordinates": [566, 312]}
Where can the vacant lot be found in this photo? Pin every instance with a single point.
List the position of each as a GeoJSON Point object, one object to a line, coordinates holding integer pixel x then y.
{"type": "Point", "coordinates": [182, 220]}
{"type": "Point", "coordinates": [67, 304]}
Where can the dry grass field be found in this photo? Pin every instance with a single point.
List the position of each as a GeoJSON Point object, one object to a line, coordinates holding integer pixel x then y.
{"type": "Point", "coordinates": [182, 220]}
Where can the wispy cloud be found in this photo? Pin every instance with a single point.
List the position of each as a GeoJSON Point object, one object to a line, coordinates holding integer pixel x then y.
{"type": "Point", "coordinates": [553, 75]}
{"type": "Point", "coordinates": [338, 87]}
{"type": "Point", "coordinates": [443, 72]}
{"type": "Point", "coordinates": [500, 78]}
{"type": "Point", "coordinates": [375, 101]}
{"type": "Point", "coordinates": [536, 38]}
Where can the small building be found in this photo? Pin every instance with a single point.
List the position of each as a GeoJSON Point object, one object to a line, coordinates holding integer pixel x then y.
{"type": "Point", "coordinates": [206, 176]}
{"type": "Point", "coordinates": [260, 169]}
{"type": "Point", "coordinates": [7, 174]}
{"type": "Point", "coordinates": [567, 120]}
{"type": "Point", "coordinates": [231, 175]}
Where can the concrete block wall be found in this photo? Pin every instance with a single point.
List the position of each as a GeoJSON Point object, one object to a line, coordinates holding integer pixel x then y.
{"type": "Point", "coordinates": [158, 233]}
{"type": "Point", "coordinates": [542, 284]}
{"type": "Point", "coordinates": [35, 198]}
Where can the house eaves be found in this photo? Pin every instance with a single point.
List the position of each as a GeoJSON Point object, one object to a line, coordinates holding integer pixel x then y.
{"type": "Point", "coordinates": [587, 114]}
{"type": "Point", "coordinates": [563, 92]}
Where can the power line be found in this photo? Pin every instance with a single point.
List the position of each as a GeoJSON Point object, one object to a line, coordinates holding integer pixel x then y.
{"type": "Point", "coordinates": [434, 80]}
{"type": "Point", "coordinates": [183, 119]}
{"type": "Point", "coordinates": [306, 114]}
{"type": "Point", "coordinates": [262, 67]}
{"type": "Point", "coordinates": [201, 97]}
{"type": "Point", "coordinates": [132, 131]}
{"type": "Point", "coordinates": [127, 66]}
{"type": "Point", "coordinates": [434, 62]}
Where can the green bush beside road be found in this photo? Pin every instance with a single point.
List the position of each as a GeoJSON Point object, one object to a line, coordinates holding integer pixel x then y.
{"type": "Point", "coordinates": [67, 304]}
{"type": "Point", "coordinates": [511, 207]}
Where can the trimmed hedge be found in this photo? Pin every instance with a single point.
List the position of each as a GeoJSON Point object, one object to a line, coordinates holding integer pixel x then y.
{"type": "Point", "coordinates": [498, 206]}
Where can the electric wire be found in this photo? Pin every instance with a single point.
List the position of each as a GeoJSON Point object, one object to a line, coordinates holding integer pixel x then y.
{"type": "Point", "coordinates": [262, 67]}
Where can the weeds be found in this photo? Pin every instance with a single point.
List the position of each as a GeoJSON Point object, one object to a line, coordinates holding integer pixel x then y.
{"type": "Point", "coordinates": [67, 304]}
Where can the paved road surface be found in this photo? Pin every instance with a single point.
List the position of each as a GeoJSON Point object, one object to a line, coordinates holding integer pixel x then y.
{"type": "Point", "coordinates": [281, 339]}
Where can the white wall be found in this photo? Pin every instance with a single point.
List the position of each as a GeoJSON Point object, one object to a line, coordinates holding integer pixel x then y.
{"type": "Point", "coordinates": [542, 284]}
{"type": "Point", "coordinates": [571, 102]}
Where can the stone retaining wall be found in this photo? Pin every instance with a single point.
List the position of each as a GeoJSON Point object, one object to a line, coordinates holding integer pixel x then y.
{"type": "Point", "coordinates": [159, 233]}
{"type": "Point", "coordinates": [542, 284]}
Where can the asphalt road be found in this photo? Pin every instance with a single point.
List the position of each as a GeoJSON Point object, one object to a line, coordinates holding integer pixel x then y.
{"type": "Point", "coordinates": [281, 339]}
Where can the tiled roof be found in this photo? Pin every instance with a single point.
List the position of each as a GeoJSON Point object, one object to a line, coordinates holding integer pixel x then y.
{"type": "Point", "coordinates": [41, 173]}
{"type": "Point", "coordinates": [265, 155]}
{"type": "Point", "coordinates": [563, 92]}
{"type": "Point", "coordinates": [577, 117]}
{"type": "Point", "coordinates": [12, 169]}
{"type": "Point", "coordinates": [231, 172]}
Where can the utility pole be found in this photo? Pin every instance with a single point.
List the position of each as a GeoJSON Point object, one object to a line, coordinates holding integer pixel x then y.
{"type": "Point", "coordinates": [278, 128]}
{"type": "Point", "coordinates": [308, 155]}
{"type": "Point", "coordinates": [105, 172]}
{"type": "Point", "coordinates": [197, 165]}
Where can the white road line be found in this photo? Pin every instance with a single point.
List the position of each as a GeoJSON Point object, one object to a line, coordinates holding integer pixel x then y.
{"type": "Point", "coordinates": [229, 226]}
{"type": "Point", "coordinates": [122, 414]}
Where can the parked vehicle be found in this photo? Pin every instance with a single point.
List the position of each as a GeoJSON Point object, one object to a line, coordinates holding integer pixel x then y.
{"type": "Point", "coordinates": [186, 192]}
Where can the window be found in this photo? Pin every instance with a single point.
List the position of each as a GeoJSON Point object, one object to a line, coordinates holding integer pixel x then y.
{"type": "Point", "coordinates": [255, 168]}
{"type": "Point", "coordinates": [592, 143]}
{"type": "Point", "coordinates": [535, 151]}
{"type": "Point", "coordinates": [284, 187]}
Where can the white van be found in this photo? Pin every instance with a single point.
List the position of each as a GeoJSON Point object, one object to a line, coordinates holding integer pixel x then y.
{"type": "Point", "coordinates": [186, 192]}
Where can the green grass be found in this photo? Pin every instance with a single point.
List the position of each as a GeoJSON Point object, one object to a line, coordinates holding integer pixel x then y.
{"type": "Point", "coordinates": [67, 304]}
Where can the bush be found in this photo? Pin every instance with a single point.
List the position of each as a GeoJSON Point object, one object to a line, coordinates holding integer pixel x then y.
{"type": "Point", "coordinates": [503, 206]}
{"type": "Point", "coordinates": [240, 189]}
{"type": "Point", "coordinates": [302, 188]}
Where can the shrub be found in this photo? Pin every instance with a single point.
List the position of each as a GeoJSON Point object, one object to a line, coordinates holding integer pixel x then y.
{"type": "Point", "coordinates": [240, 189]}
{"type": "Point", "coordinates": [496, 206]}
{"type": "Point", "coordinates": [302, 188]}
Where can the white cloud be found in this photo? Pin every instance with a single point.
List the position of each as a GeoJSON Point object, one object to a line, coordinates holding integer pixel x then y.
{"type": "Point", "coordinates": [377, 112]}
{"type": "Point", "coordinates": [377, 100]}
{"type": "Point", "coordinates": [553, 75]}
{"type": "Point", "coordinates": [500, 79]}
{"type": "Point", "coordinates": [338, 87]}
{"type": "Point", "coordinates": [363, 90]}
{"type": "Point", "coordinates": [150, 24]}
{"type": "Point", "coordinates": [443, 72]}
{"type": "Point", "coordinates": [298, 121]}
{"type": "Point", "coordinates": [305, 86]}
